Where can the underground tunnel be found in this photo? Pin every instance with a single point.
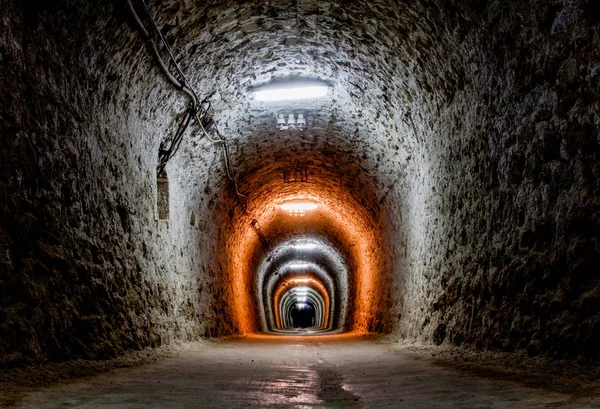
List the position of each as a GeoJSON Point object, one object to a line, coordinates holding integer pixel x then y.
{"type": "Point", "coordinates": [340, 176]}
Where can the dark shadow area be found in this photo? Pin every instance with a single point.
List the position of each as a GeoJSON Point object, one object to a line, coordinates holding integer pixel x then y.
{"type": "Point", "coordinates": [303, 316]}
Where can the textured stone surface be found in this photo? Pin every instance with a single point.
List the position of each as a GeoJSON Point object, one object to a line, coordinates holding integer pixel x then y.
{"type": "Point", "coordinates": [462, 137]}
{"type": "Point", "coordinates": [86, 270]}
{"type": "Point", "coordinates": [513, 210]}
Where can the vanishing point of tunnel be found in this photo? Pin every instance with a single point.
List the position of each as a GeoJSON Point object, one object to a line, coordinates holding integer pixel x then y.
{"type": "Point", "coordinates": [300, 203]}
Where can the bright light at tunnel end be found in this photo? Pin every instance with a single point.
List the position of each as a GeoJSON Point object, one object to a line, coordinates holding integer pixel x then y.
{"type": "Point", "coordinates": [291, 91]}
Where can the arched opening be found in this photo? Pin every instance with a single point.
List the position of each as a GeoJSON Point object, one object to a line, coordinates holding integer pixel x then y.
{"type": "Point", "coordinates": [303, 315]}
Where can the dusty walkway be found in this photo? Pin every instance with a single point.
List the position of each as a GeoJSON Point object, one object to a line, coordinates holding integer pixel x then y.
{"type": "Point", "coordinates": [295, 373]}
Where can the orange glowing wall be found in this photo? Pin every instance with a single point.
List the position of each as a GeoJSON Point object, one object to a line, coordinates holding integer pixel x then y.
{"type": "Point", "coordinates": [338, 214]}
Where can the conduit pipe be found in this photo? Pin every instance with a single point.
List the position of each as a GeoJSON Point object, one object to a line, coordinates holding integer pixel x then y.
{"type": "Point", "coordinates": [146, 35]}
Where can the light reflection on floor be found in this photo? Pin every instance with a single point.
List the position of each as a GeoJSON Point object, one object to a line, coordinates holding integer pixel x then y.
{"type": "Point", "coordinates": [270, 371]}
{"type": "Point", "coordinates": [298, 387]}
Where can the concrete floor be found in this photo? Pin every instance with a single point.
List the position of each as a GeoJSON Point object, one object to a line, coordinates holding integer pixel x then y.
{"type": "Point", "coordinates": [297, 372]}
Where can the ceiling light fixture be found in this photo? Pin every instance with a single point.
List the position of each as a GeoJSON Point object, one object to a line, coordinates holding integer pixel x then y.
{"type": "Point", "coordinates": [301, 122]}
{"type": "Point", "coordinates": [298, 209]}
{"type": "Point", "coordinates": [281, 122]}
{"type": "Point", "coordinates": [296, 266]}
{"type": "Point", "coordinates": [301, 290]}
{"type": "Point", "coordinates": [305, 246]}
{"type": "Point", "coordinates": [291, 124]}
{"type": "Point", "coordinates": [291, 91]}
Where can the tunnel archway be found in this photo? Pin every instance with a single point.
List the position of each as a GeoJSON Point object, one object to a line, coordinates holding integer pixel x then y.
{"type": "Point", "coordinates": [353, 273]}
{"type": "Point", "coordinates": [302, 291]}
{"type": "Point", "coordinates": [453, 162]}
{"type": "Point", "coordinates": [322, 267]}
{"type": "Point", "coordinates": [303, 316]}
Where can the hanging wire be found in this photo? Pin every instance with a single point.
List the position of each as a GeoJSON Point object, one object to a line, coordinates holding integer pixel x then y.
{"type": "Point", "coordinates": [197, 110]}
{"type": "Point", "coordinates": [182, 77]}
{"type": "Point", "coordinates": [228, 169]}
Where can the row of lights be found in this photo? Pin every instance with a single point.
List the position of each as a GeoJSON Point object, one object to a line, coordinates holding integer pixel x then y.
{"type": "Point", "coordinates": [308, 245]}
{"type": "Point", "coordinates": [291, 122]}
{"type": "Point", "coordinates": [301, 294]}
{"type": "Point", "coordinates": [302, 90]}
{"type": "Point", "coordinates": [298, 266]}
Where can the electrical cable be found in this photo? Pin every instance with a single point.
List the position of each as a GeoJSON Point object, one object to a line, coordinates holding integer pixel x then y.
{"type": "Point", "coordinates": [184, 79]}
{"type": "Point", "coordinates": [230, 174]}
{"type": "Point", "coordinates": [192, 112]}
{"type": "Point", "coordinates": [153, 47]}
{"type": "Point", "coordinates": [166, 154]}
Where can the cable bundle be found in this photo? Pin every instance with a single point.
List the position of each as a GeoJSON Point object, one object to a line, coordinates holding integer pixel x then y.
{"type": "Point", "coordinates": [197, 110]}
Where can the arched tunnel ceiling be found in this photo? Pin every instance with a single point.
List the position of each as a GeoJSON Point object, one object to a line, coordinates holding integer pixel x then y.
{"type": "Point", "coordinates": [385, 61]}
{"type": "Point", "coordinates": [360, 137]}
{"type": "Point", "coordinates": [376, 147]}
{"type": "Point", "coordinates": [290, 300]}
{"type": "Point", "coordinates": [378, 56]}
{"type": "Point", "coordinates": [334, 303]}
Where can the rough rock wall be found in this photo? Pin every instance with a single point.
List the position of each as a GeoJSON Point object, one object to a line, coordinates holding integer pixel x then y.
{"type": "Point", "coordinates": [504, 250]}
{"type": "Point", "coordinates": [86, 270]}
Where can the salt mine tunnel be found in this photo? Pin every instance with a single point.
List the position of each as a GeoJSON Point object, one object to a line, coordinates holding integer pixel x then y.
{"type": "Point", "coordinates": [298, 203]}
